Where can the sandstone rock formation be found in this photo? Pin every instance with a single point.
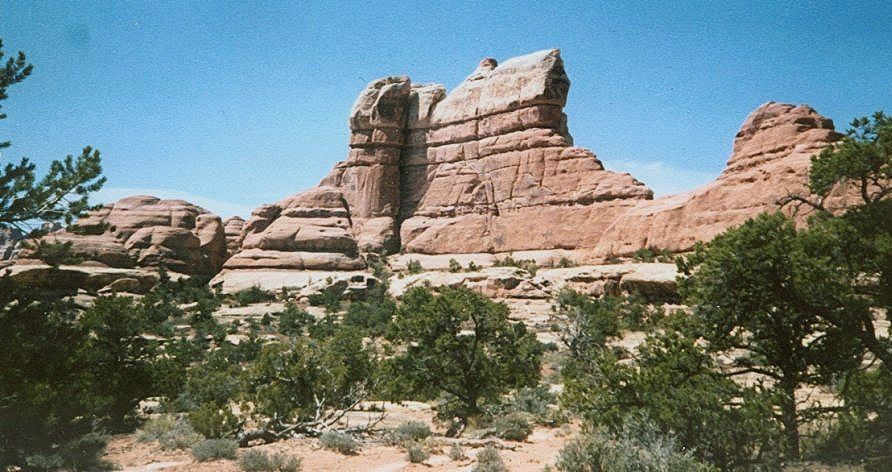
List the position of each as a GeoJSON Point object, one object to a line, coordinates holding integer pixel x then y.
{"type": "Point", "coordinates": [10, 241]}
{"type": "Point", "coordinates": [489, 167]}
{"type": "Point", "coordinates": [143, 231]}
{"type": "Point", "coordinates": [770, 160]}
{"type": "Point", "coordinates": [233, 229]}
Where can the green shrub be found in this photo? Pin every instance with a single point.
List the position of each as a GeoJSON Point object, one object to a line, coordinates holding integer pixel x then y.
{"type": "Point", "coordinates": [534, 401]}
{"type": "Point", "coordinates": [414, 267]}
{"type": "Point", "coordinates": [489, 460]}
{"type": "Point", "coordinates": [170, 432]}
{"type": "Point", "coordinates": [255, 294]}
{"type": "Point", "coordinates": [213, 449]}
{"type": "Point", "coordinates": [565, 262]}
{"type": "Point", "coordinates": [456, 453]}
{"type": "Point", "coordinates": [329, 297]}
{"type": "Point", "coordinates": [416, 452]}
{"type": "Point", "coordinates": [213, 421]}
{"type": "Point", "coordinates": [454, 265]}
{"type": "Point", "coordinates": [259, 461]}
{"type": "Point", "coordinates": [640, 448]}
{"type": "Point", "coordinates": [513, 426]}
{"type": "Point", "coordinates": [472, 267]}
{"type": "Point", "coordinates": [528, 265]}
{"type": "Point", "coordinates": [293, 320]}
{"type": "Point", "coordinates": [412, 431]}
{"type": "Point", "coordinates": [340, 442]}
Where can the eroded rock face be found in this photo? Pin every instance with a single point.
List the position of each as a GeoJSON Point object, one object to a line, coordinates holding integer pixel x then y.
{"type": "Point", "coordinates": [144, 231]}
{"type": "Point", "coordinates": [232, 229]}
{"type": "Point", "coordinates": [10, 242]}
{"type": "Point", "coordinates": [489, 167]}
{"type": "Point", "coordinates": [770, 160]}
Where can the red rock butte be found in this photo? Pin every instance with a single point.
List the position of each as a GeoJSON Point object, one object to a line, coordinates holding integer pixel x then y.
{"type": "Point", "coordinates": [487, 168]}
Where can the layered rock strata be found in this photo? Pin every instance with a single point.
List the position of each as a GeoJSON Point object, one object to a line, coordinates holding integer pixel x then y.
{"type": "Point", "coordinates": [489, 167]}
{"type": "Point", "coordinates": [769, 161]}
{"type": "Point", "coordinates": [233, 229]}
{"type": "Point", "coordinates": [144, 231]}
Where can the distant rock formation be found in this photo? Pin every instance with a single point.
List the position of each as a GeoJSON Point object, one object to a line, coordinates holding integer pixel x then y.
{"type": "Point", "coordinates": [10, 242]}
{"type": "Point", "coordinates": [143, 231]}
{"type": "Point", "coordinates": [233, 229]}
{"type": "Point", "coordinates": [770, 160]}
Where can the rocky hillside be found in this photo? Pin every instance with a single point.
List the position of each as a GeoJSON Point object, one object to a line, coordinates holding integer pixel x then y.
{"type": "Point", "coordinates": [488, 168]}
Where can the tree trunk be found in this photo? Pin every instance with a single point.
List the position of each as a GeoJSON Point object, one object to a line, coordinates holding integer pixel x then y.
{"type": "Point", "coordinates": [790, 420]}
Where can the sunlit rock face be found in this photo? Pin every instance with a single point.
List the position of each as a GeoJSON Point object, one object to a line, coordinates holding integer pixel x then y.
{"type": "Point", "coordinates": [144, 231]}
{"type": "Point", "coordinates": [770, 160]}
{"type": "Point", "coordinates": [489, 167]}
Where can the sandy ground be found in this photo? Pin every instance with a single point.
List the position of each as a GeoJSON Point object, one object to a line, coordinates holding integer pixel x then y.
{"type": "Point", "coordinates": [539, 450]}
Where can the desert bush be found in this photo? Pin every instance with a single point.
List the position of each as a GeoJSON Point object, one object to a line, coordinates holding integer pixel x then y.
{"type": "Point", "coordinates": [412, 431]}
{"type": "Point", "coordinates": [251, 295]}
{"type": "Point", "coordinates": [639, 447]}
{"type": "Point", "coordinates": [489, 460]}
{"type": "Point", "coordinates": [441, 333]}
{"type": "Point", "coordinates": [212, 420]}
{"type": "Point", "coordinates": [374, 314]}
{"type": "Point", "coordinates": [513, 426]}
{"type": "Point", "coordinates": [534, 401]}
{"type": "Point", "coordinates": [472, 267]}
{"type": "Point", "coordinates": [339, 442]}
{"type": "Point", "coordinates": [294, 320]}
{"type": "Point", "coordinates": [454, 266]}
{"type": "Point", "coordinates": [414, 266]}
{"type": "Point", "coordinates": [329, 297]}
{"type": "Point", "coordinates": [456, 453]}
{"type": "Point", "coordinates": [528, 265]}
{"type": "Point", "coordinates": [171, 432]}
{"type": "Point", "coordinates": [213, 449]}
{"type": "Point", "coordinates": [565, 262]}
{"type": "Point", "coordinates": [259, 461]}
{"type": "Point", "coordinates": [416, 452]}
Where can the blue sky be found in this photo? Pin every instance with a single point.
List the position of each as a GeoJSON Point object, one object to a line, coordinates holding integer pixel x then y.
{"type": "Point", "coordinates": [234, 104]}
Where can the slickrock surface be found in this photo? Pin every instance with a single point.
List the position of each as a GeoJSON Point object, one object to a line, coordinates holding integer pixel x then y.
{"type": "Point", "coordinates": [143, 231]}
{"type": "Point", "coordinates": [770, 160]}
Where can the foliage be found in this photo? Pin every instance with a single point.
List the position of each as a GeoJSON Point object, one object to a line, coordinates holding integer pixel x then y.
{"type": "Point", "coordinates": [514, 426]}
{"type": "Point", "coordinates": [565, 263]}
{"type": "Point", "coordinates": [460, 344]}
{"type": "Point", "coordinates": [412, 431]}
{"type": "Point", "coordinates": [416, 453]}
{"type": "Point", "coordinates": [675, 383]}
{"type": "Point", "coordinates": [213, 449]}
{"type": "Point", "coordinates": [294, 320]}
{"type": "Point", "coordinates": [454, 266]}
{"type": "Point", "coordinates": [473, 267]}
{"type": "Point", "coordinates": [251, 295]}
{"type": "Point", "coordinates": [259, 461]}
{"type": "Point", "coordinates": [528, 265]}
{"type": "Point", "coordinates": [212, 420]}
{"type": "Point", "coordinates": [585, 323]}
{"type": "Point", "coordinates": [489, 460]}
{"type": "Point", "coordinates": [170, 432]}
{"type": "Point", "coordinates": [414, 266]}
{"type": "Point", "coordinates": [374, 314]}
{"type": "Point", "coordinates": [456, 453]}
{"type": "Point", "coordinates": [339, 442]}
{"type": "Point", "coordinates": [757, 291]}
{"type": "Point", "coordinates": [289, 380]}
{"type": "Point", "coordinates": [329, 297]}
{"type": "Point", "coordinates": [652, 254]}
{"type": "Point", "coordinates": [638, 447]}
{"type": "Point", "coordinates": [534, 401]}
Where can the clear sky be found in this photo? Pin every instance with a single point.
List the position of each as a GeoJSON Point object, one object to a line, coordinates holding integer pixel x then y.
{"type": "Point", "coordinates": [234, 104]}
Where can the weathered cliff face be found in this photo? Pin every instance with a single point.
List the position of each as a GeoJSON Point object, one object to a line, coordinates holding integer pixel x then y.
{"type": "Point", "coordinates": [233, 230]}
{"type": "Point", "coordinates": [770, 160]}
{"type": "Point", "coordinates": [489, 167]}
{"type": "Point", "coordinates": [143, 231]}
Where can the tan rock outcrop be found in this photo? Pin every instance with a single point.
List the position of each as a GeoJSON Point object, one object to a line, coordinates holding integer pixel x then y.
{"type": "Point", "coordinates": [489, 167]}
{"type": "Point", "coordinates": [770, 160]}
{"type": "Point", "coordinates": [233, 230]}
{"type": "Point", "coordinates": [144, 231]}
